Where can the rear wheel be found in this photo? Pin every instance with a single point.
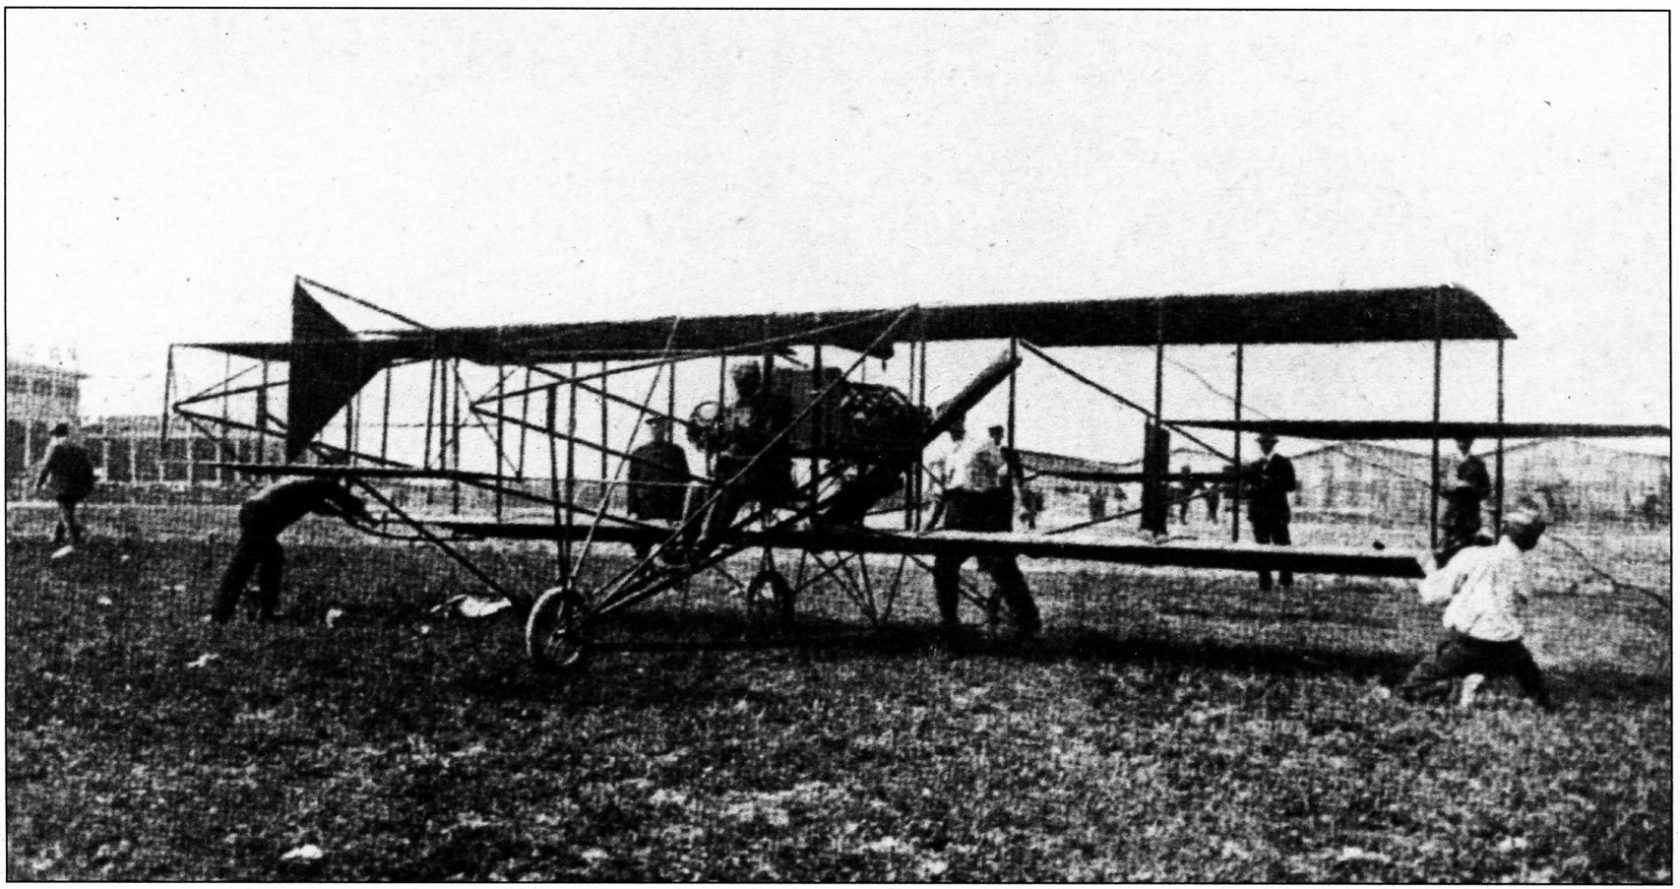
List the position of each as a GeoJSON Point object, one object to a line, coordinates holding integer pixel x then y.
{"type": "Point", "coordinates": [554, 631]}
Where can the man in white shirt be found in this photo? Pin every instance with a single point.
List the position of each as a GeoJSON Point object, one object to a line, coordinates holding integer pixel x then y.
{"type": "Point", "coordinates": [973, 498]}
{"type": "Point", "coordinates": [1485, 589]}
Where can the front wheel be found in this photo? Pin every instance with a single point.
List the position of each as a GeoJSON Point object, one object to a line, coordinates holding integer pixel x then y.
{"type": "Point", "coordinates": [554, 631]}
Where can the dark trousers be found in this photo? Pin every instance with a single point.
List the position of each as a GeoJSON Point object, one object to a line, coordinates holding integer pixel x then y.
{"type": "Point", "coordinates": [259, 551]}
{"type": "Point", "coordinates": [1274, 531]}
{"type": "Point", "coordinates": [68, 527]}
{"type": "Point", "coordinates": [769, 483]}
{"type": "Point", "coordinates": [1459, 655]}
{"type": "Point", "coordinates": [1460, 523]}
{"type": "Point", "coordinates": [989, 511]}
{"type": "Point", "coordinates": [642, 547]}
{"type": "Point", "coordinates": [1006, 576]}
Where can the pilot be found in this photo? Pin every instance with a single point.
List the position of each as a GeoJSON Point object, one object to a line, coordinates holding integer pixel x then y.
{"type": "Point", "coordinates": [1270, 479]}
{"type": "Point", "coordinates": [754, 460]}
{"type": "Point", "coordinates": [658, 479]}
{"type": "Point", "coordinates": [1461, 520]}
{"type": "Point", "coordinates": [973, 498]}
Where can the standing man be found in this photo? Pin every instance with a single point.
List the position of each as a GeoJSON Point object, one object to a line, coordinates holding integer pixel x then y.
{"type": "Point", "coordinates": [1032, 504]}
{"type": "Point", "coordinates": [1096, 504]}
{"type": "Point", "coordinates": [971, 500]}
{"type": "Point", "coordinates": [1461, 520]}
{"type": "Point", "coordinates": [67, 474]}
{"type": "Point", "coordinates": [1012, 480]}
{"type": "Point", "coordinates": [1270, 480]}
{"type": "Point", "coordinates": [1650, 508]}
{"type": "Point", "coordinates": [1188, 490]}
{"type": "Point", "coordinates": [1484, 589]}
{"type": "Point", "coordinates": [261, 519]}
{"type": "Point", "coordinates": [658, 480]}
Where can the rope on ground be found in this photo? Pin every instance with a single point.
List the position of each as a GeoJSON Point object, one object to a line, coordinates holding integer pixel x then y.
{"type": "Point", "coordinates": [1615, 582]}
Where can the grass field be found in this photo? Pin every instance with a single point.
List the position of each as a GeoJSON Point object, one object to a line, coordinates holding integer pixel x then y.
{"type": "Point", "coordinates": [1174, 726]}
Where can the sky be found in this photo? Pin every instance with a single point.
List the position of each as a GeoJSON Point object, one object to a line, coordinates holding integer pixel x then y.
{"type": "Point", "coordinates": [169, 172]}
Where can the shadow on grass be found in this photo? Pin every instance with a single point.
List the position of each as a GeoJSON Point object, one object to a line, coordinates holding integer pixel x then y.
{"type": "Point", "coordinates": [655, 654]}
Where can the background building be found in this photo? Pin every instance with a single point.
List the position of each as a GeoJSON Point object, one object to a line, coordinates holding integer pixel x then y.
{"type": "Point", "coordinates": [38, 396]}
{"type": "Point", "coordinates": [1577, 480]}
{"type": "Point", "coordinates": [131, 450]}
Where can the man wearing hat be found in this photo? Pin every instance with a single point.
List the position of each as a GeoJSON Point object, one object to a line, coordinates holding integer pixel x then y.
{"type": "Point", "coordinates": [1484, 589]}
{"type": "Point", "coordinates": [1010, 477]}
{"type": "Point", "coordinates": [658, 479]}
{"type": "Point", "coordinates": [1270, 479]}
{"type": "Point", "coordinates": [67, 472]}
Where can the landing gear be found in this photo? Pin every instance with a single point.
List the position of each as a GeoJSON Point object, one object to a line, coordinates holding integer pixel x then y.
{"type": "Point", "coordinates": [555, 635]}
{"type": "Point", "coordinates": [780, 591]}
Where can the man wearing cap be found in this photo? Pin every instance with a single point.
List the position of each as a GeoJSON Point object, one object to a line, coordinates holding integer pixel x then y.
{"type": "Point", "coordinates": [1270, 480]}
{"type": "Point", "coordinates": [261, 520]}
{"type": "Point", "coordinates": [1461, 520]}
{"type": "Point", "coordinates": [754, 461]}
{"type": "Point", "coordinates": [658, 480]}
{"type": "Point", "coordinates": [1484, 589]}
{"type": "Point", "coordinates": [971, 499]}
{"type": "Point", "coordinates": [67, 473]}
{"type": "Point", "coordinates": [1010, 478]}
{"type": "Point", "coordinates": [1189, 490]}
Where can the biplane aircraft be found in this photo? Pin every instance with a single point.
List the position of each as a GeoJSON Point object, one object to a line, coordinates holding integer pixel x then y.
{"type": "Point", "coordinates": [505, 393]}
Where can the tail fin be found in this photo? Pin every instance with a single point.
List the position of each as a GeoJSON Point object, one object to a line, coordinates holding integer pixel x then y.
{"type": "Point", "coordinates": [329, 365]}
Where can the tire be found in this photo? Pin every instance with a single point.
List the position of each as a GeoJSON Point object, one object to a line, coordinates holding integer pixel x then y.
{"type": "Point", "coordinates": [554, 632]}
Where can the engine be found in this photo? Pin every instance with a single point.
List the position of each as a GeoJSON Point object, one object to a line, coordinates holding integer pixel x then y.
{"type": "Point", "coordinates": [854, 422]}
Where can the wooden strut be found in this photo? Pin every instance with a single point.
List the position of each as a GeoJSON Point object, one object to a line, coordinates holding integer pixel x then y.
{"type": "Point", "coordinates": [553, 491]}
{"type": "Point", "coordinates": [921, 405]}
{"type": "Point", "coordinates": [395, 469]}
{"type": "Point", "coordinates": [1236, 451]}
{"type": "Point", "coordinates": [385, 417]}
{"type": "Point", "coordinates": [524, 408]}
{"type": "Point", "coordinates": [431, 396]}
{"type": "Point", "coordinates": [1499, 443]}
{"type": "Point", "coordinates": [1119, 398]}
{"type": "Point", "coordinates": [263, 416]}
{"type": "Point", "coordinates": [615, 596]}
{"type": "Point", "coordinates": [629, 448]}
{"type": "Point", "coordinates": [226, 448]}
{"type": "Point", "coordinates": [221, 389]}
{"type": "Point", "coordinates": [1435, 437]}
{"type": "Point", "coordinates": [432, 538]}
{"type": "Point", "coordinates": [1125, 514]}
{"type": "Point", "coordinates": [864, 600]}
{"type": "Point", "coordinates": [501, 446]}
{"type": "Point", "coordinates": [455, 431]}
{"type": "Point", "coordinates": [583, 442]}
{"type": "Point", "coordinates": [478, 419]}
{"type": "Point", "coordinates": [620, 593]}
{"type": "Point", "coordinates": [168, 383]}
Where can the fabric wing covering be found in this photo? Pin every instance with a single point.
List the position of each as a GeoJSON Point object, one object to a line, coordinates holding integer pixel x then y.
{"type": "Point", "coordinates": [330, 363]}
